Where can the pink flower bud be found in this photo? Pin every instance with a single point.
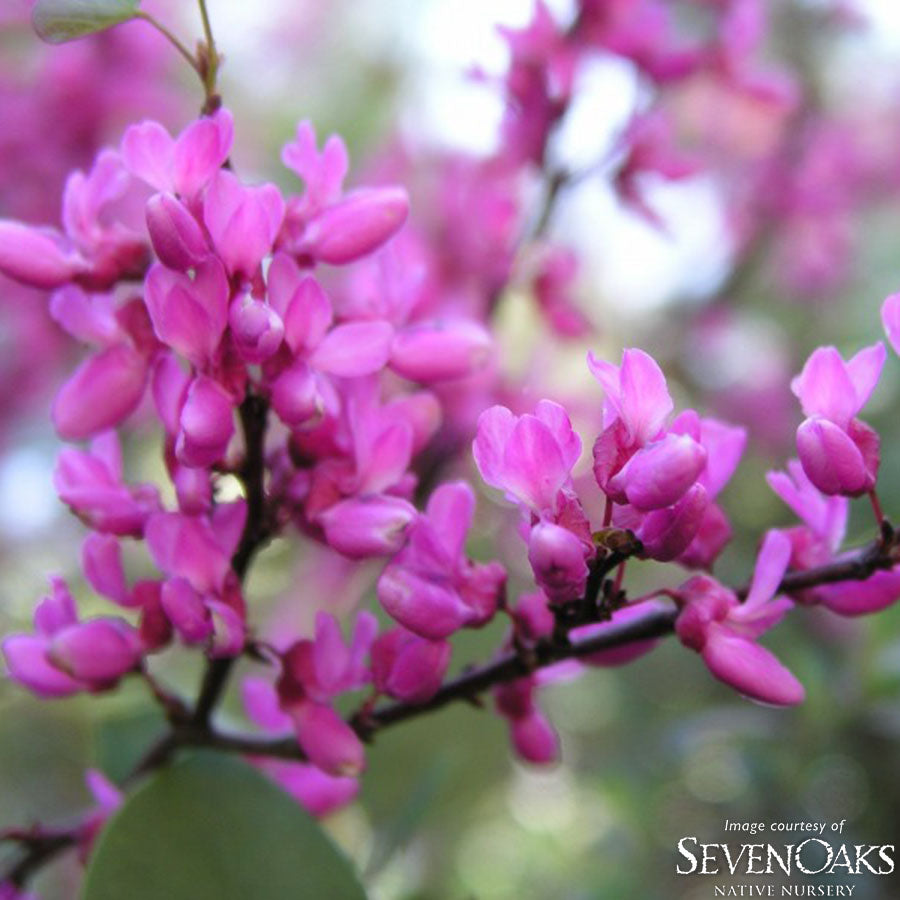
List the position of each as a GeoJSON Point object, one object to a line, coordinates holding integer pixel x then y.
{"type": "Point", "coordinates": [207, 423]}
{"type": "Point", "coordinates": [408, 667]}
{"type": "Point", "coordinates": [666, 533]}
{"type": "Point", "coordinates": [256, 328]}
{"type": "Point", "coordinates": [832, 460]}
{"type": "Point", "coordinates": [295, 395]}
{"type": "Point", "coordinates": [749, 668]}
{"type": "Point", "coordinates": [97, 652]}
{"type": "Point", "coordinates": [90, 318]}
{"type": "Point", "coordinates": [177, 237]}
{"type": "Point", "coordinates": [431, 610]}
{"type": "Point", "coordinates": [193, 488]}
{"type": "Point", "coordinates": [354, 349]}
{"type": "Point", "coordinates": [857, 598]}
{"type": "Point", "coordinates": [26, 659]}
{"type": "Point", "coordinates": [101, 560]}
{"type": "Point", "coordinates": [189, 314]}
{"type": "Point", "coordinates": [327, 740]}
{"type": "Point", "coordinates": [242, 221]}
{"type": "Point", "coordinates": [372, 525]}
{"type": "Point", "coordinates": [714, 533]}
{"type": "Point", "coordinates": [318, 792]}
{"type": "Point", "coordinates": [186, 611]}
{"type": "Point", "coordinates": [103, 391]}
{"type": "Point", "coordinates": [36, 257]}
{"type": "Point", "coordinates": [441, 350]}
{"type": "Point", "coordinates": [356, 226]}
{"type": "Point", "coordinates": [300, 301]}
{"type": "Point", "coordinates": [534, 739]}
{"type": "Point", "coordinates": [558, 559]}
{"type": "Point", "coordinates": [659, 474]}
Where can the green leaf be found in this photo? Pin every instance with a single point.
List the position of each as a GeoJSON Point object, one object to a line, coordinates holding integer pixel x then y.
{"type": "Point", "coordinates": [213, 828]}
{"type": "Point", "coordinates": [400, 830]}
{"type": "Point", "coordinates": [58, 21]}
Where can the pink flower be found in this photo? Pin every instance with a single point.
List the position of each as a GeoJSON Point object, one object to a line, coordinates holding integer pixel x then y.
{"type": "Point", "coordinates": [182, 165]}
{"type": "Point", "coordinates": [90, 482]}
{"type": "Point", "coordinates": [313, 673]}
{"type": "Point", "coordinates": [430, 586]}
{"type": "Point", "coordinates": [242, 221]}
{"type": "Point", "coordinates": [724, 445]}
{"type": "Point", "coordinates": [189, 314]}
{"type": "Point", "coordinates": [176, 235]}
{"type": "Point", "coordinates": [532, 735]}
{"type": "Point", "coordinates": [323, 225]}
{"type": "Point", "coordinates": [66, 656]}
{"type": "Point", "coordinates": [559, 560]}
{"type": "Point", "coordinates": [636, 461]}
{"type": "Point", "coordinates": [197, 548]}
{"type": "Point", "coordinates": [839, 453]}
{"type": "Point", "coordinates": [108, 386]}
{"type": "Point", "coordinates": [439, 350]}
{"type": "Point", "coordinates": [723, 630]}
{"type": "Point", "coordinates": [206, 423]}
{"type": "Point", "coordinates": [818, 540]}
{"type": "Point", "coordinates": [366, 526]}
{"type": "Point", "coordinates": [408, 667]}
{"type": "Point", "coordinates": [529, 457]}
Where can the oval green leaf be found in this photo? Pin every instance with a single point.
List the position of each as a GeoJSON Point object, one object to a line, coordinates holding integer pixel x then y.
{"type": "Point", "coordinates": [58, 21]}
{"type": "Point", "coordinates": [213, 828]}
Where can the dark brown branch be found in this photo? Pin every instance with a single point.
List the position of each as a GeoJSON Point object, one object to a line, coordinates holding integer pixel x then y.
{"type": "Point", "coordinates": [469, 686]}
{"type": "Point", "coordinates": [41, 849]}
{"type": "Point", "coordinates": [257, 531]}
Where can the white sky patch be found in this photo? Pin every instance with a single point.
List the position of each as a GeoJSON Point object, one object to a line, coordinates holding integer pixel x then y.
{"type": "Point", "coordinates": [28, 503]}
{"type": "Point", "coordinates": [453, 37]}
{"type": "Point", "coordinates": [640, 266]}
{"type": "Point", "coordinates": [884, 21]}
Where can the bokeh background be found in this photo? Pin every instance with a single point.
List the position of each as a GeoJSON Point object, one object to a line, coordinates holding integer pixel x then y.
{"type": "Point", "coordinates": [651, 752]}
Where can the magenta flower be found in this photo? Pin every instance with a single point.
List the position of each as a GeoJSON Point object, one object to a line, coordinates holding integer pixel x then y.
{"type": "Point", "coordinates": [723, 630]}
{"type": "Point", "coordinates": [242, 221]}
{"type": "Point", "coordinates": [430, 586]}
{"type": "Point", "coordinates": [323, 225]}
{"type": "Point", "coordinates": [818, 540]}
{"type": "Point", "coordinates": [182, 165]}
{"type": "Point", "coordinates": [533, 737]}
{"type": "Point", "coordinates": [839, 453]}
{"type": "Point", "coordinates": [636, 461]}
{"type": "Point", "coordinates": [189, 314]}
{"type": "Point", "coordinates": [108, 386]}
{"type": "Point", "coordinates": [408, 667]}
{"type": "Point", "coordinates": [724, 445]}
{"type": "Point", "coordinates": [90, 482]}
{"type": "Point", "coordinates": [98, 244]}
{"type": "Point", "coordinates": [66, 656]}
{"type": "Point", "coordinates": [440, 350]}
{"type": "Point", "coordinates": [529, 457]}
{"type": "Point", "coordinates": [176, 235]}
{"type": "Point", "coordinates": [313, 673]}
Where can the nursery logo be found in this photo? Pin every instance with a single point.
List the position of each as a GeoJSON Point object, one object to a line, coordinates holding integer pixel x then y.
{"type": "Point", "coordinates": [789, 850]}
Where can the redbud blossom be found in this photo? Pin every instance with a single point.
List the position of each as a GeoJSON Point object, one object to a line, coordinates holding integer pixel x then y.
{"type": "Point", "coordinates": [839, 453]}
{"type": "Point", "coordinates": [715, 624]}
